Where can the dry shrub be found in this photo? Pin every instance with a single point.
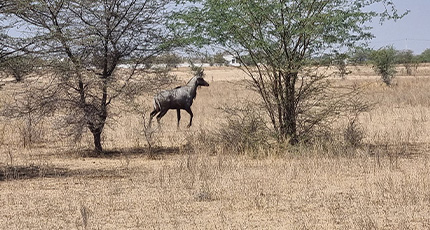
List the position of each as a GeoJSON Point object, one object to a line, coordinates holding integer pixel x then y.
{"type": "Point", "coordinates": [345, 140]}
{"type": "Point", "coordinates": [244, 132]}
{"type": "Point", "coordinates": [353, 134]}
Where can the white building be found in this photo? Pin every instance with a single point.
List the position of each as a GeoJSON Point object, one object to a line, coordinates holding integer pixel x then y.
{"type": "Point", "coordinates": [231, 60]}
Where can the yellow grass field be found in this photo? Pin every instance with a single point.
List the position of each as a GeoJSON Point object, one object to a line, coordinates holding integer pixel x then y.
{"type": "Point", "coordinates": [183, 184]}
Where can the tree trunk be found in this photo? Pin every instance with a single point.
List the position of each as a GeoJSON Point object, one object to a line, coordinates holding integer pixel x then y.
{"type": "Point", "coordinates": [99, 118]}
{"type": "Point", "coordinates": [97, 142]}
{"type": "Point", "coordinates": [96, 124]}
{"type": "Point", "coordinates": [289, 122]}
{"type": "Point", "coordinates": [288, 126]}
{"type": "Point", "coordinates": [96, 129]}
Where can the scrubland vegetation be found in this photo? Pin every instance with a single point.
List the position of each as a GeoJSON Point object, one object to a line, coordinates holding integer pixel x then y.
{"type": "Point", "coordinates": [281, 143]}
{"type": "Point", "coordinates": [226, 172]}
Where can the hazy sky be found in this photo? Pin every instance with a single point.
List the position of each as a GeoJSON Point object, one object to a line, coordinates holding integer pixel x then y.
{"type": "Point", "coordinates": [412, 32]}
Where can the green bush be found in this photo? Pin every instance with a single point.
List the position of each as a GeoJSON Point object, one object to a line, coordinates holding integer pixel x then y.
{"type": "Point", "coordinates": [384, 61]}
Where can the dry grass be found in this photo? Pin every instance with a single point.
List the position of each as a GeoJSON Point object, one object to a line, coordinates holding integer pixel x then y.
{"type": "Point", "coordinates": [385, 185]}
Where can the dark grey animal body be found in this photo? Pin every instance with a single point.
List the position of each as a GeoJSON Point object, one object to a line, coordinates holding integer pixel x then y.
{"type": "Point", "coordinates": [178, 98]}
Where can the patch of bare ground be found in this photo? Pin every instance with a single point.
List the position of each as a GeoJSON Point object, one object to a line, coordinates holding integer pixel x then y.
{"type": "Point", "coordinates": [195, 191]}
{"type": "Point", "coordinates": [22, 172]}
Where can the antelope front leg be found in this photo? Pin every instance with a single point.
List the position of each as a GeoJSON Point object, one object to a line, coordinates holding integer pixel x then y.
{"type": "Point", "coordinates": [178, 113]}
{"type": "Point", "coordinates": [191, 116]}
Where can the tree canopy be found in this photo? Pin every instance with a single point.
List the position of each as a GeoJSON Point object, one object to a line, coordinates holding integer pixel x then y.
{"type": "Point", "coordinates": [279, 37]}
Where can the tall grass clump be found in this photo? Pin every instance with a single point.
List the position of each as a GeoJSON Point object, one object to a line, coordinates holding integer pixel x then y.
{"type": "Point", "coordinates": [244, 131]}
{"type": "Point", "coordinates": [344, 141]}
{"type": "Point", "coordinates": [353, 134]}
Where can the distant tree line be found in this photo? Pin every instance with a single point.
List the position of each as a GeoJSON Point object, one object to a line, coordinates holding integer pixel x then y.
{"type": "Point", "coordinates": [383, 61]}
{"type": "Point", "coordinates": [366, 56]}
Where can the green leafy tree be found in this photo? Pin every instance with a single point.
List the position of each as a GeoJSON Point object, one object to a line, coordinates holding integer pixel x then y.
{"type": "Point", "coordinates": [84, 42]}
{"type": "Point", "coordinates": [407, 59]}
{"type": "Point", "coordinates": [360, 56]}
{"type": "Point", "coordinates": [340, 62]}
{"type": "Point", "coordinates": [218, 59]}
{"type": "Point", "coordinates": [384, 63]}
{"type": "Point", "coordinates": [8, 45]}
{"type": "Point", "coordinates": [170, 59]}
{"type": "Point", "coordinates": [4, 49]}
{"type": "Point", "coordinates": [280, 37]}
{"type": "Point", "coordinates": [424, 56]}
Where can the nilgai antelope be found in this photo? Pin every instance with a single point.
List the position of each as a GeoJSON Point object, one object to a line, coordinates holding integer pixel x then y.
{"type": "Point", "coordinates": [178, 98]}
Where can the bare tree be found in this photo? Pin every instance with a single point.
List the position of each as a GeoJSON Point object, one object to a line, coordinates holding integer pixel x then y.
{"type": "Point", "coordinates": [31, 105]}
{"type": "Point", "coordinates": [19, 66]}
{"type": "Point", "coordinates": [84, 42]}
